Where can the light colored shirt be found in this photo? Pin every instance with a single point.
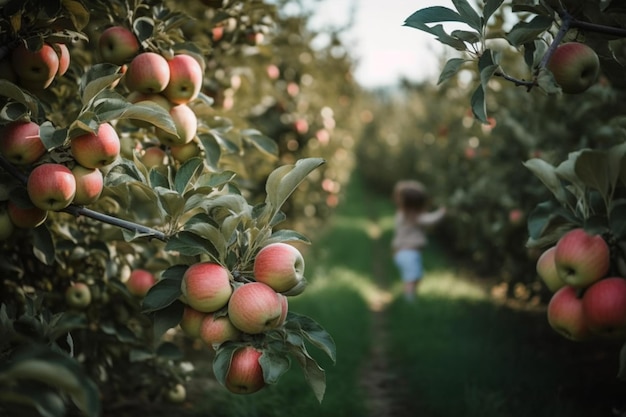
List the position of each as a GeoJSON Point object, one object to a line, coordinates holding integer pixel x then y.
{"type": "Point", "coordinates": [409, 231]}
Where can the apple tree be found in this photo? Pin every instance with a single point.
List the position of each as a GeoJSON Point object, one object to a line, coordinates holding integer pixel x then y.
{"type": "Point", "coordinates": [572, 54]}
{"type": "Point", "coordinates": [120, 180]}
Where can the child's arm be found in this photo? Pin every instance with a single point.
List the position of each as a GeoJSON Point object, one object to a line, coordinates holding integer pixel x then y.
{"type": "Point", "coordinates": [430, 218]}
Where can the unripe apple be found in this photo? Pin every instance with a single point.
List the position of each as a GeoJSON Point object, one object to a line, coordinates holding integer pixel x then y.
{"type": "Point", "coordinates": [604, 305]}
{"type": "Point", "coordinates": [216, 330]}
{"type": "Point", "coordinates": [139, 282]}
{"type": "Point", "coordinates": [245, 374]}
{"type": "Point", "coordinates": [185, 79]}
{"type": "Point", "coordinates": [89, 184]}
{"type": "Point", "coordinates": [575, 67]}
{"type": "Point", "coordinates": [547, 271]}
{"type": "Point", "coordinates": [148, 72]}
{"type": "Point", "coordinates": [20, 142]}
{"type": "Point", "coordinates": [279, 265]}
{"type": "Point", "coordinates": [78, 295]}
{"type": "Point", "coordinates": [581, 258]}
{"type": "Point", "coordinates": [176, 394]}
{"type": "Point", "coordinates": [191, 323]}
{"type": "Point", "coordinates": [206, 286]}
{"type": "Point", "coordinates": [6, 225]}
{"type": "Point", "coordinates": [566, 316]}
{"type": "Point", "coordinates": [117, 45]}
{"type": "Point", "coordinates": [51, 186]}
{"type": "Point", "coordinates": [26, 217]}
{"type": "Point", "coordinates": [185, 152]}
{"type": "Point", "coordinates": [64, 58]}
{"type": "Point", "coordinates": [186, 124]}
{"type": "Point", "coordinates": [255, 308]}
{"type": "Point", "coordinates": [154, 157]}
{"type": "Point", "coordinates": [96, 150]}
{"type": "Point", "coordinates": [36, 68]}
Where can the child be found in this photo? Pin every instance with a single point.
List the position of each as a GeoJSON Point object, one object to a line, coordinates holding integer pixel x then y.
{"type": "Point", "coordinates": [411, 217]}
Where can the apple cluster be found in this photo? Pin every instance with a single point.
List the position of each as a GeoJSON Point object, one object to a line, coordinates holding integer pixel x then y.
{"type": "Point", "coordinates": [220, 308]}
{"type": "Point", "coordinates": [587, 301]}
{"type": "Point", "coordinates": [36, 69]}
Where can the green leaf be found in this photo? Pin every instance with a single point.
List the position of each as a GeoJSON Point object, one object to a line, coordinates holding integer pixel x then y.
{"type": "Point", "coordinates": [212, 150]}
{"type": "Point", "coordinates": [285, 235]}
{"type": "Point", "coordinates": [431, 15]}
{"type": "Point", "coordinates": [166, 318]}
{"type": "Point", "coordinates": [52, 137]}
{"type": "Point", "coordinates": [143, 27]}
{"type": "Point", "coordinates": [616, 160]}
{"type": "Point", "coordinates": [617, 218]}
{"type": "Point", "coordinates": [79, 15]}
{"type": "Point", "coordinates": [263, 143]}
{"type": "Point", "coordinates": [165, 291]}
{"type": "Point", "coordinates": [185, 174]}
{"type": "Point", "coordinates": [490, 8]}
{"type": "Point", "coordinates": [190, 244]}
{"type": "Point", "coordinates": [151, 113]}
{"type": "Point", "coordinates": [466, 36]}
{"type": "Point", "coordinates": [314, 375]}
{"type": "Point", "coordinates": [591, 168]}
{"type": "Point", "coordinates": [525, 32]}
{"type": "Point", "coordinates": [43, 245]}
{"type": "Point", "coordinates": [547, 175]}
{"type": "Point", "coordinates": [222, 359]}
{"type": "Point", "coordinates": [315, 334]}
{"type": "Point", "coordinates": [172, 203]}
{"type": "Point", "coordinates": [98, 78]}
{"type": "Point", "coordinates": [468, 14]}
{"type": "Point", "coordinates": [274, 365]}
{"type": "Point", "coordinates": [547, 218]}
{"type": "Point", "coordinates": [212, 234]}
{"type": "Point", "coordinates": [450, 69]}
{"type": "Point", "coordinates": [12, 91]}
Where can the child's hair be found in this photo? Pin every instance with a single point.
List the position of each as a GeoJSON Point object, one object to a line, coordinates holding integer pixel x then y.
{"type": "Point", "coordinates": [410, 196]}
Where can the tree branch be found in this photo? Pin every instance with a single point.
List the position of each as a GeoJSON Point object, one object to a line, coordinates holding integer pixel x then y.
{"type": "Point", "coordinates": [82, 211]}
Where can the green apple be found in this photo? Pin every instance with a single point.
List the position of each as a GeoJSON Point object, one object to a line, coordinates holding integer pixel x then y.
{"type": "Point", "coordinates": [575, 67]}
{"type": "Point", "coordinates": [51, 186]}
{"type": "Point", "coordinates": [547, 271]}
{"type": "Point", "coordinates": [117, 45]}
{"type": "Point", "coordinates": [78, 295]}
{"type": "Point", "coordinates": [184, 152]}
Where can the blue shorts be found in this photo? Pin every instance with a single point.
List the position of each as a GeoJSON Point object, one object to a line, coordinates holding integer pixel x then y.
{"type": "Point", "coordinates": [409, 262]}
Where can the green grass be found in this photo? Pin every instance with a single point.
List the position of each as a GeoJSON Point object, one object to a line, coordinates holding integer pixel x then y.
{"type": "Point", "coordinates": [452, 353]}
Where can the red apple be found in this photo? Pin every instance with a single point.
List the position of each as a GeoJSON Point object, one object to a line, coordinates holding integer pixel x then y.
{"type": "Point", "coordinates": [96, 150]}
{"type": "Point", "coordinates": [216, 330]}
{"type": "Point", "coordinates": [279, 265]}
{"type": "Point", "coordinates": [148, 72]}
{"type": "Point", "coordinates": [547, 271]}
{"type": "Point", "coordinates": [206, 286]}
{"type": "Point", "coordinates": [26, 217]}
{"type": "Point", "coordinates": [255, 308]}
{"type": "Point", "coordinates": [20, 142]}
{"type": "Point", "coordinates": [36, 69]}
{"type": "Point", "coordinates": [604, 305]}
{"type": "Point", "coordinates": [581, 258]}
{"type": "Point", "coordinates": [51, 186]}
{"type": "Point", "coordinates": [245, 374]}
{"type": "Point", "coordinates": [191, 323]}
{"type": "Point", "coordinates": [6, 225]}
{"type": "Point", "coordinates": [184, 152]}
{"type": "Point", "coordinates": [575, 67]}
{"type": "Point", "coordinates": [78, 295]}
{"type": "Point", "coordinates": [64, 58]}
{"type": "Point", "coordinates": [185, 79]}
{"type": "Point", "coordinates": [139, 282]}
{"type": "Point", "coordinates": [566, 316]}
{"type": "Point", "coordinates": [117, 45]}
{"type": "Point", "coordinates": [89, 184]}
{"type": "Point", "coordinates": [186, 124]}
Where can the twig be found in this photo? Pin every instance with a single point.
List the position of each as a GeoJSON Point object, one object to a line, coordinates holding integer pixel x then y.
{"type": "Point", "coordinates": [516, 81]}
{"type": "Point", "coordinates": [82, 211]}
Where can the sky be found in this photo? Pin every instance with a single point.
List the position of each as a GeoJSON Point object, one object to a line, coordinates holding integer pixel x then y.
{"type": "Point", "coordinates": [385, 49]}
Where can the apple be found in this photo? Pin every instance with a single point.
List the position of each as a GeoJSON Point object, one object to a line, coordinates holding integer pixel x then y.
{"type": "Point", "coordinates": [6, 225]}
{"type": "Point", "coordinates": [139, 282]}
{"type": "Point", "coordinates": [64, 58]}
{"type": "Point", "coordinates": [36, 69]}
{"type": "Point", "coordinates": [206, 286]}
{"type": "Point", "coordinates": [191, 323]}
{"type": "Point", "coordinates": [279, 265]}
{"type": "Point", "coordinates": [581, 258]}
{"type": "Point", "coordinates": [547, 271]}
{"type": "Point", "coordinates": [217, 33]}
{"type": "Point", "coordinates": [245, 374]}
{"type": "Point", "coordinates": [78, 295]}
{"type": "Point", "coordinates": [255, 308]}
{"type": "Point", "coordinates": [604, 305]}
{"type": "Point", "coordinates": [216, 330]}
{"type": "Point", "coordinates": [26, 217]}
{"type": "Point", "coordinates": [284, 305]}
{"type": "Point", "coordinates": [51, 186]}
{"type": "Point", "coordinates": [186, 124]}
{"type": "Point", "coordinates": [566, 315]}
{"type": "Point", "coordinates": [20, 142]}
{"type": "Point", "coordinates": [117, 45]}
{"type": "Point", "coordinates": [148, 72]}
{"type": "Point", "coordinates": [182, 153]}
{"type": "Point", "coordinates": [185, 79]}
{"type": "Point", "coordinates": [154, 157]}
{"type": "Point", "coordinates": [96, 150]}
{"type": "Point", "coordinates": [89, 184]}
{"type": "Point", "coordinates": [575, 67]}
{"type": "Point", "coordinates": [176, 394]}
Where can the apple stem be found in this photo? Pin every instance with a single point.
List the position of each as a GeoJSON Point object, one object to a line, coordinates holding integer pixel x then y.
{"type": "Point", "coordinates": [82, 211]}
